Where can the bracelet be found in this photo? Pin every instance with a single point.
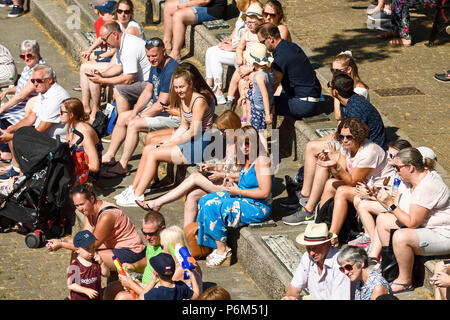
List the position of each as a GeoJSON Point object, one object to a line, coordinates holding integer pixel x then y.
{"type": "Point", "coordinates": [240, 195]}
{"type": "Point", "coordinates": [338, 168]}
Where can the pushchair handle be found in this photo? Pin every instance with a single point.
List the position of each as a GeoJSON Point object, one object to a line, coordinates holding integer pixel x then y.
{"type": "Point", "coordinates": [79, 141]}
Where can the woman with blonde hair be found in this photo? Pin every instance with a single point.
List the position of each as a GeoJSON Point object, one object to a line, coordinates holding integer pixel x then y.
{"type": "Point", "coordinates": [172, 236]}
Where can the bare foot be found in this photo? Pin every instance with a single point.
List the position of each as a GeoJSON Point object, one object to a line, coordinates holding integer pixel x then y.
{"type": "Point", "coordinates": [400, 42]}
{"type": "Point", "coordinates": [388, 35]}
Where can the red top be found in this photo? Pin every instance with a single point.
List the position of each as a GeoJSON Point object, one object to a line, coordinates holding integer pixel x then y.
{"type": "Point", "coordinates": [98, 23]}
{"type": "Point", "coordinates": [88, 277]}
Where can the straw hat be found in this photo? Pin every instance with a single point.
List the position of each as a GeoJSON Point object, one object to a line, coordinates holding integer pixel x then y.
{"type": "Point", "coordinates": [315, 233]}
{"type": "Point", "coordinates": [254, 10]}
{"type": "Point", "coordinates": [258, 54]}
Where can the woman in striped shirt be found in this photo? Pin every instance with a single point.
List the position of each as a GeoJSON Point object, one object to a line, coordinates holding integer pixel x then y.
{"type": "Point", "coordinates": [13, 111]}
{"type": "Point", "coordinates": [193, 97]}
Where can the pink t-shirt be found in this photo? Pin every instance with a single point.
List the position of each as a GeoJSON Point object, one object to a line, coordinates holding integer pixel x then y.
{"type": "Point", "coordinates": [124, 234]}
{"type": "Point", "coordinates": [432, 193]}
{"type": "Point", "coordinates": [369, 155]}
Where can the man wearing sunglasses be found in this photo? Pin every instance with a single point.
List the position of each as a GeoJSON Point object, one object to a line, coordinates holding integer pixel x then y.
{"type": "Point", "coordinates": [152, 225]}
{"type": "Point", "coordinates": [45, 114]}
{"type": "Point", "coordinates": [318, 269]}
{"type": "Point", "coordinates": [130, 69]}
{"type": "Point", "coordinates": [150, 112]}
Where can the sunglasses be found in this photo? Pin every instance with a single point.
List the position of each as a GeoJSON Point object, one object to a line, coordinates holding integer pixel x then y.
{"type": "Point", "coordinates": [397, 168]}
{"type": "Point", "coordinates": [348, 137]}
{"type": "Point", "coordinates": [150, 234]}
{"type": "Point", "coordinates": [390, 155]}
{"type": "Point", "coordinates": [28, 56]}
{"type": "Point", "coordinates": [335, 70]}
{"type": "Point", "coordinates": [120, 11]}
{"type": "Point", "coordinates": [268, 14]}
{"type": "Point", "coordinates": [348, 267]}
{"type": "Point", "coordinates": [106, 39]}
{"type": "Point", "coordinates": [153, 43]}
{"type": "Point", "coordinates": [251, 22]}
{"type": "Point", "coordinates": [33, 81]}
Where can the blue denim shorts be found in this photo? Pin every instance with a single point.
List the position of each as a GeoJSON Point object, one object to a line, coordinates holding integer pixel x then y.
{"type": "Point", "coordinates": [201, 13]}
{"type": "Point", "coordinates": [127, 255]}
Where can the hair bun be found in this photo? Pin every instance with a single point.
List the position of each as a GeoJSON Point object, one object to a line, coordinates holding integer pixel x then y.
{"type": "Point", "coordinates": [347, 52]}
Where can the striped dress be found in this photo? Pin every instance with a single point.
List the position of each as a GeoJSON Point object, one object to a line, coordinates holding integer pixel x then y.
{"type": "Point", "coordinates": [17, 112]}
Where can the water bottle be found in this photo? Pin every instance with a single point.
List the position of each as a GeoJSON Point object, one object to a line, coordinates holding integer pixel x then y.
{"type": "Point", "coordinates": [395, 186]}
{"type": "Point", "coordinates": [11, 83]}
{"type": "Point", "coordinates": [371, 181]}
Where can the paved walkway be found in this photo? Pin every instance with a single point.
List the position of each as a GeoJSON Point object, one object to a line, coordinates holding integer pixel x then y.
{"type": "Point", "coordinates": [328, 27]}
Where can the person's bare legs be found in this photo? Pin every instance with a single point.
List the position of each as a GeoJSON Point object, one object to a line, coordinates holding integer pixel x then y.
{"type": "Point", "coordinates": [195, 180]}
{"type": "Point", "coordinates": [155, 137]}
{"type": "Point", "coordinates": [233, 86]}
{"type": "Point", "coordinates": [169, 9]}
{"type": "Point", "coordinates": [344, 195]}
{"type": "Point", "coordinates": [117, 137]}
{"type": "Point", "coordinates": [121, 103]}
{"type": "Point", "coordinates": [191, 204]}
{"type": "Point", "coordinates": [89, 89]}
{"type": "Point", "coordinates": [180, 19]}
{"type": "Point", "coordinates": [405, 244]}
{"type": "Point", "coordinates": [366, 209]}
{"type": "Point", "coordinates": [330, 190]}
{"type": "Point", "coordinates": [320, 180]}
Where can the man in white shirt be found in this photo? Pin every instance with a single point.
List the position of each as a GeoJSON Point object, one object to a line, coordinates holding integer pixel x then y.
{"type": "Point", "coordinates": [131, 70]}
{"type": "Point", "coordinates": [45, 113]}
{"type": "Point", "coordinates": [318, 269]}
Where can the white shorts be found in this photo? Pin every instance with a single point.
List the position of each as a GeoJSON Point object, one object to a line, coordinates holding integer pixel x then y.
{"type": "Point", "coordinates": [162, 122]}
{"type": "Point", "coordinates": [432, 243]}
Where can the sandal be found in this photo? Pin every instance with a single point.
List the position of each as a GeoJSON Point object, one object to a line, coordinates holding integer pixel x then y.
{"type": "Point", "coordinates": [112, 173]}
{"type": "Point", "coordinates": [77, 89]}
{"type": "Point", "coordinates": [406, 287]}
{"type": "Point", "coordinates": [144, 205]}
{"type": "Point", "coordinates": [215, 260]}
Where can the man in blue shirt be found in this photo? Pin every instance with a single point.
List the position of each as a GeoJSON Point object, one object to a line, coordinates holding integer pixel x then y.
{"type": "Point", "coordinates": [301, 88]}
{"type": "Point", "coordinates": [355, 106]}
{"type": "Point", "coordinates": [150, 112]}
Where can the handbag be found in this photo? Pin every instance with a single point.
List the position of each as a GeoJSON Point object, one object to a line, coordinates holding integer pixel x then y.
{"type": "Point", "coordinates": [197, 251]}
{"type": "Point", "coordinates": [389, 266]}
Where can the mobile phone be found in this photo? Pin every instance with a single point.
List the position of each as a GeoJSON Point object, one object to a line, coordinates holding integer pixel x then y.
{"type": "Point", "coordinates": [88, 75]}
{"type": "Point", "coordinates": [206, 173]}
{"type": "Point", "coordinates": [447, 261]}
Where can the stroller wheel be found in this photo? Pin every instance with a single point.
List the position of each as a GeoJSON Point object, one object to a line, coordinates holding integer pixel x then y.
{"type": "Point", "coordinates": [33, 239]}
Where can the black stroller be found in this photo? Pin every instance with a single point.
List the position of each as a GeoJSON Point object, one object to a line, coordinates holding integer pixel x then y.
{"type": "Point", "coordinates": [40, 197]}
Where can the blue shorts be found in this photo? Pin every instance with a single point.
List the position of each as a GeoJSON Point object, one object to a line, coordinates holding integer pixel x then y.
{"type": "Point", "coordinates": [128, 256]}
{"type": "Point", "coordinates": [193, 150]}
{"type": "Point", "coordinates": [201, 13]}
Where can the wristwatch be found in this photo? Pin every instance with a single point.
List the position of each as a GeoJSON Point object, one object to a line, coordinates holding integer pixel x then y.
{"type": "Point", "coordinates": [392, 207]}
{"type": "Point", "coordinates": [338, 168]}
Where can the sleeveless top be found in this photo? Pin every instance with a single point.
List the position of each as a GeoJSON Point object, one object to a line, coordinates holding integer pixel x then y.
{"type": "Point", "coordinates": [124, 234]}
{"type": "Point", "coordinates": [207, 121]}
{"type": "Point", "coordinates": [257, 96]}
{"type": "Point", "coordinates": [250, 39]}
{"type": "Point", "coordinates": [133, 23]}
{"type": "Point", "coordinates": [248, 181]}
{"type": "Point", "coordinates": [89, 277]}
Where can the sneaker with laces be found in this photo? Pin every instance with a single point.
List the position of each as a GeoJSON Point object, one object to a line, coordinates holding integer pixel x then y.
{"type": "Point", "coordinates": [6, 3]}
{"type": "Point", "coordinates": [229, 105]}
{"type": "Point", "coordinates": [380, 15]}
{"type": "Point", "coordinates": [301, 216]}
{"type": "Point", "coordinates": [9, 174]}
{"type": "Point", "coordinates": [124, 193]}
{"type": "Point", "coordinates": [15, 12]}
{"type": "Point", "coordinates": [363, 241]}
{"type": "Point", "coordinates": [221, 99]}
{"type": "Point", "coordinates": [129, 200]}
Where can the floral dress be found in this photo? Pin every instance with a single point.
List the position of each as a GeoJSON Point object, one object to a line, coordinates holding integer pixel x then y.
{"type": "Point", "coordinates": [219, 210]}
{"type": "Point", "coordinates": [400, 14]}
{"type": "Point", "coordinates": [364, 292]}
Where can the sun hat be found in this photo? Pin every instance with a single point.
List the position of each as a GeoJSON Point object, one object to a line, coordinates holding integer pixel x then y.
{"type": "Point", "coordinates": [107, 7]}
{"type": "Point", "coordinates": [258, 54]}
{"type": "Point", "coordinates": [253, 10]}
{"type": "Point", "coordinates": [315, 233]}
{"type": "Point", "coordinates": [83, 239]}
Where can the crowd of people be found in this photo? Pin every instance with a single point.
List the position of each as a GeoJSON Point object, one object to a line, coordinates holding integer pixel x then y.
{"type": "Point", "coordinates": [154, 92]}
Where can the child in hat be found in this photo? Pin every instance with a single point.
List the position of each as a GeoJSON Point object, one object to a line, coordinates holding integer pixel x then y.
{"type": "Point", "coordinates": [85, 271]}
{"type": "Point", "coordinates": [167, 289]}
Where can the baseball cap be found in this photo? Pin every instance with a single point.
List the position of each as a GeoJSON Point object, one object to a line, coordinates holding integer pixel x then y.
{"type": "Point", "coordinates": [107, 7]}
{"type": "Point", "coordinates": [164, 264]}
{"type": "Point", "coordinates": [83, 239]}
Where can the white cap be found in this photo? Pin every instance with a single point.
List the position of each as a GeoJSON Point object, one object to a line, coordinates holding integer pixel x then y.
{"type": "Point", "coordinates": [427, 153]}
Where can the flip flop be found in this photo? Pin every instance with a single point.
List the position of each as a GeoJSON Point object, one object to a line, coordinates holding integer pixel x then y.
{"type": "Point", "coordinates": [77, 89]}
{"type": "Point", "coordinates": [398, 42]}
{"type": "Point", "coordinates": [144, 205]}
{"type": "Point", "coordinates": [406, 287]}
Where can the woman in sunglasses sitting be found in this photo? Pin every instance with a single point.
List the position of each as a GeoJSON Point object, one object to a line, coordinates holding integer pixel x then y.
{"type": "Point", "coordinates": [421, 215]}
{"type": "Point", "coordinates": [359, 159]}
{"type": "Point", "coordinates": [354, 262]}
{"type": "Point", "coordinates": [12, 111]}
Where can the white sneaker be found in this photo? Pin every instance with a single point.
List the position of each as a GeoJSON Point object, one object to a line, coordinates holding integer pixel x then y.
{"type": "Point", "coordinates": [129, 200]}
{"type": "Point", "coordinates": [362, 241]}
{"type": "Point", "coordinates": [124, 193]}
{"type": "Point", "coordinates": [221, 99]}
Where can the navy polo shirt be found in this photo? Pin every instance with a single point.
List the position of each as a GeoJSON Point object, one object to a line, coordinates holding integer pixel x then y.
{"type": "Point", "coordinates": [299, 78]}
{"type": "Point", "coordinates": [360, 108]}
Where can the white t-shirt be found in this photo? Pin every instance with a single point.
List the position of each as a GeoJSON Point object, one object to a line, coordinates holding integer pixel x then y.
{"type": "Point", "coordinates": [133, 23]}
{"type": "Point", "coordinates": [131, 55]}
{"type": "Point", "coordinates": [47, 108]}
{"type": "Point", "coordinates": [432, 193]}
{"type": "Point", "coordinates": [362, 92]}
{"type": "Point", "coordinates": [369, 155]}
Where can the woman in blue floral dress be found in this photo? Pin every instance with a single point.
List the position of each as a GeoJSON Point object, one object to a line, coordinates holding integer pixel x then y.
{"type": "Point", "coordinates": [247, 202]}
